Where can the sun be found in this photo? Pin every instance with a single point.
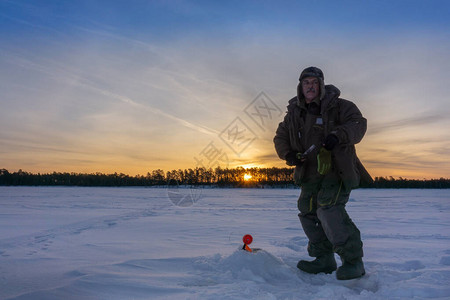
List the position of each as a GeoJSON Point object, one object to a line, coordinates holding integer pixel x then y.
{"type": "Point", "coordinates": [247, 177]}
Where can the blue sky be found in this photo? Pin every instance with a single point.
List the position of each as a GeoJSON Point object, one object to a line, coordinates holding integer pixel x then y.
{"type": "Point", "coordinates": [134, 86]}
{"type": "Point", "coordinates": [173, 19]}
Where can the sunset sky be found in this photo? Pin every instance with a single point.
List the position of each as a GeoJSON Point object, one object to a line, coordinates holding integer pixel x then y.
{"type": "Point", "coordinates": [134, 86]}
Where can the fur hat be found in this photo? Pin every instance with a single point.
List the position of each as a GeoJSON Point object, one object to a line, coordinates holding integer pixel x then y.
{"type": "Point", "coordinates": [311, 72]}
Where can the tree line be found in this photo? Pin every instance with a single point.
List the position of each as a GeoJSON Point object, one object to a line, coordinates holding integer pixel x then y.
{"type": "Point", "coordinates": [255, 177]}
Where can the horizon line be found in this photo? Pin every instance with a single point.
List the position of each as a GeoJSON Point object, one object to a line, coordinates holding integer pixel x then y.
{"type": "Point", "coordinates": [196, 168]}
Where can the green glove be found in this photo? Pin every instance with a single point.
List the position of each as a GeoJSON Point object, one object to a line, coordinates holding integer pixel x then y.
{"type": "Point", "coordinates": [323, 161]}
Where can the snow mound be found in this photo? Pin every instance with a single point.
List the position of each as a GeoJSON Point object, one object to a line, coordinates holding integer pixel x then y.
{"type": "Point", "coordinates": [260, 266]}
{"type": "Point", "coordinates": [262, 275]}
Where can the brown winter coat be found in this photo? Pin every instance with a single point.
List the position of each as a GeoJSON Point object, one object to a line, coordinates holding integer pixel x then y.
{"type": "Point", "coordinates": [300, 129]}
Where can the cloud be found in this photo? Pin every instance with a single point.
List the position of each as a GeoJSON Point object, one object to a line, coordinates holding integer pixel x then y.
{"type": "Point", "coordinates": [408, 123]}
{"type": "Point", "coordinates": [153, 110]}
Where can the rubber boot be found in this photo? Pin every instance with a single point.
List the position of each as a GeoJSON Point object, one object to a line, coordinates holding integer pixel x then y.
{"type": "Point", "coordinates": [351, 270]}
{"type": "Point", "coordinates": [322, 264]}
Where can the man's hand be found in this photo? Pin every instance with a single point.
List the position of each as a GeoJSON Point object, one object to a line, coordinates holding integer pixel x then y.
{"type": "Point", "coordinates": [292, 159]}
{"type": "Point", "coordinates": [330, 142]}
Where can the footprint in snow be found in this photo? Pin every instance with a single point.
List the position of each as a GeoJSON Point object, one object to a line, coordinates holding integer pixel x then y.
{"type": "Point", "coordinates": [445, 260]}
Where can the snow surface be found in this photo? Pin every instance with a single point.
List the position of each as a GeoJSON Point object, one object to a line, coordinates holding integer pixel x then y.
{"type": "Point", "coordinates": [134, 243]}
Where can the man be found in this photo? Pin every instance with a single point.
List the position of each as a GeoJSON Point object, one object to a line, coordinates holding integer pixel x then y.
{"type": "Point", "coordinates": [317, 136]}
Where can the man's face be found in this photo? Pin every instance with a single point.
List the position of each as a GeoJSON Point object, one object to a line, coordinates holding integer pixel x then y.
{"type": "Point", "coordinates": [310, 88]}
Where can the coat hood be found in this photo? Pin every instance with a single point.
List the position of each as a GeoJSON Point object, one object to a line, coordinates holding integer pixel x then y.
{"type": "Point", "coordinates": [329, 94]}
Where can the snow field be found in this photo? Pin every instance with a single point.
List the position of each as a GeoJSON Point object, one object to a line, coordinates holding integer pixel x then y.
{"type": "Point", "coordinates": [134, 243]}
